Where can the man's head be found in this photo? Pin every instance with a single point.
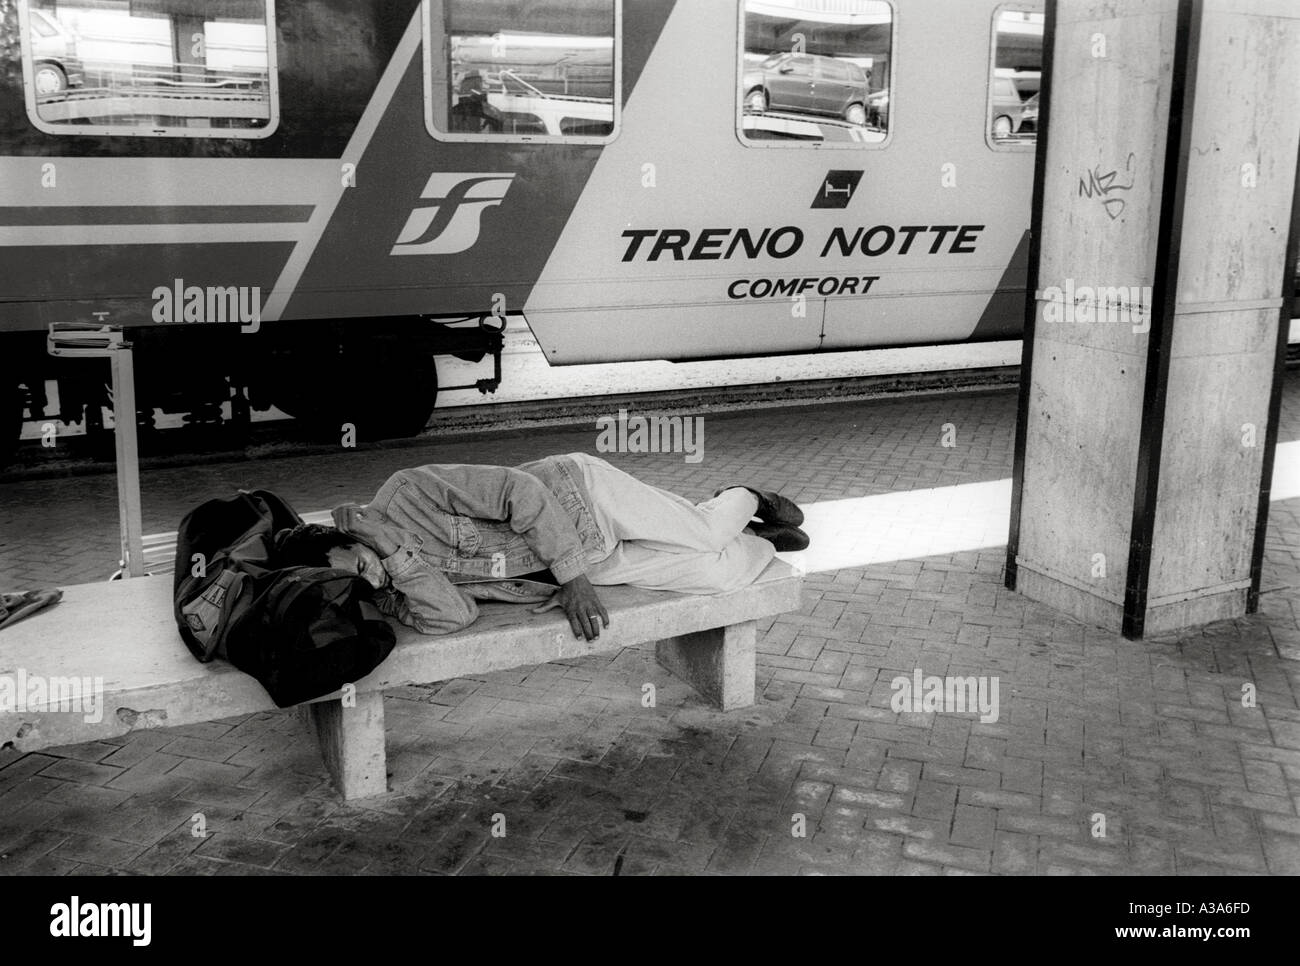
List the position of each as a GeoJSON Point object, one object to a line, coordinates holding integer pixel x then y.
{"type": "Point", "coordinates": [316, 545]}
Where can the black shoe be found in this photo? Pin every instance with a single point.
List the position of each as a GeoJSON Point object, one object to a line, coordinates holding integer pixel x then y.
{"type": "Point", "coordinates": [784, 537]}
{"type": "Point", "coordinates": [773, 507]}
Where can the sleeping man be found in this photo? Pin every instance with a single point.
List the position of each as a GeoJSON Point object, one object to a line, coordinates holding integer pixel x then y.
{"type": "Point", "coordinates": [436, 539]}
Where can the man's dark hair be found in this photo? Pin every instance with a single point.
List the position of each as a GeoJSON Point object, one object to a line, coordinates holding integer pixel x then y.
{"type": "Point", "coordinates": [308, 545]}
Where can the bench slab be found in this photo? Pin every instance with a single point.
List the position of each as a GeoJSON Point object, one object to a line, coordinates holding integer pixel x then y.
{"type": "Point", "coordinates": [120, 640]}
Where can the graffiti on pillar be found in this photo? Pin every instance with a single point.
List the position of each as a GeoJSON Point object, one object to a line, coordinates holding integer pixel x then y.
{"type": "Point", "coordinates": [1103, 186]}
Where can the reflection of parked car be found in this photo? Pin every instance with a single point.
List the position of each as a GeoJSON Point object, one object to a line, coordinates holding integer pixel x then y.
{"type": "Point", "coordinates": [526, 109]}
{"type": "Point", "coordinates": [1029, 116]}
{"type": "Point", "coordinates": [55, 65]}
{"type": "Point", "coordinates": [807, 84]}
{"type": "Point", "coordinates": [1008, 109]}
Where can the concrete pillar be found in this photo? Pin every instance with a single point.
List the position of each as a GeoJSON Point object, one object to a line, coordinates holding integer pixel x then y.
{"type": "Point", "coordinates": [1161, 271]}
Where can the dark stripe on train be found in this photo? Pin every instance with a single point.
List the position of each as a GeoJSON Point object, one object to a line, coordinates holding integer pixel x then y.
{"type": "Point", "coordinates": [41, 288]}
{"type": "Point", "coordinates": [81, 215]}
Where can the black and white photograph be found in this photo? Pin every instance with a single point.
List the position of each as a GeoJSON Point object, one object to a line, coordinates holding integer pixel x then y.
{"type": "Point", "coordinates": [694, 438]}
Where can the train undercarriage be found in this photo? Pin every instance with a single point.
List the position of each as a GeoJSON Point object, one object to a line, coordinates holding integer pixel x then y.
{"type": "Point", "coordinates": [375, 377]}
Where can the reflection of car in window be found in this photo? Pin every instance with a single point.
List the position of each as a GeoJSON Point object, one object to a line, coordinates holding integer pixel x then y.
{"type": "Point", "coordinates": [1007, 110]}
{"type": "Point", "coordinates": [527, 109]}
{"type": "Point", "coordinates": [127, 73]}
{"type": "Point", "coordinates": [807, 84]}
{"type": "Point", "coordinates": [55, 65]}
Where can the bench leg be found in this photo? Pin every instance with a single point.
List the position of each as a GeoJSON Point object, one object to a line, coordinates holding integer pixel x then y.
{"type": "Point", "coordinates": [352, 743]}
{"type": "Point", "coordinates": [720, 664]}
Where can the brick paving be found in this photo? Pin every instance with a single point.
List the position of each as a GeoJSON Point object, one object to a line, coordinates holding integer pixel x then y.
{"type": "Point", "coordinates": [1148, 737]}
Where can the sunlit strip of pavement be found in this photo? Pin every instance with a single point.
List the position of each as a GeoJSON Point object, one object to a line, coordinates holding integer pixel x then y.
{"type": "Point", "coordinates": [942, 520]}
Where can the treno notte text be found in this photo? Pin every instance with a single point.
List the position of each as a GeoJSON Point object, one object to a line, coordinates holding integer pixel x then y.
{"type": "Point", "coordinates": [723, 243]}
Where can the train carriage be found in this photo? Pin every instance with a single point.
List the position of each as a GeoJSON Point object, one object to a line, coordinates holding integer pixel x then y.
{"type": "Point", "coordinates": [304, 203]}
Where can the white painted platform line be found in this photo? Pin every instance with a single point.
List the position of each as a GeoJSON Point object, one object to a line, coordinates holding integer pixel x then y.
{"type": "Point", "coordinates": [935, 522]}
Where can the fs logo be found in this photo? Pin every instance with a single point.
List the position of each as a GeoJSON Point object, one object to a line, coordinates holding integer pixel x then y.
{"type": "Point", "coordinates": [447, 220]}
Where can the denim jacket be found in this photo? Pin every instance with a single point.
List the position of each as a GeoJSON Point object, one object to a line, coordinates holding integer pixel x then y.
{"type": "Point", "coordinates": [468, 530]}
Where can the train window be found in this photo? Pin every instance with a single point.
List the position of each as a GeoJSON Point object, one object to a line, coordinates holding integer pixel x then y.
{"type": "Point", "coordinates": [516, 71]}
{"type": "Point", "coordinates": [1017, 63]}
{"type": "Point", "coordinates": [154, 68]}
{"type": "Point", "coordinates": [815, 73]}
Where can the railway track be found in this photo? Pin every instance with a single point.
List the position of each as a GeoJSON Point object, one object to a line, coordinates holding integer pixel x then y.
{"type": "Point", "coordinates": [75, 455]}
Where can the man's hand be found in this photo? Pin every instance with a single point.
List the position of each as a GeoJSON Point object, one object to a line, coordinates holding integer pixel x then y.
{"type": "Point", "coordinates": [369, 527]}
{"type": "Point", "coordinates": [581, 605]}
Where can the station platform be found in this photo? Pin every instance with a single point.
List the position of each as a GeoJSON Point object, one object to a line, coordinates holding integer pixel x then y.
{"type": "Point", "coordinates": [1107, 756]}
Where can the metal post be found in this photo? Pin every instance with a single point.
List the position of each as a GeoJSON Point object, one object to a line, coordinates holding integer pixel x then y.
{"type": "Point", "coordinates": [75, 340]}
{"type": "Point", "coordinates": [128, 466]}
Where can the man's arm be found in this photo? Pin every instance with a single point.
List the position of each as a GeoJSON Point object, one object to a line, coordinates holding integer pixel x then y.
{"type": "Point", "coordinates": [420, 596]}
{"type": "Point", "coordinates": [581, 605]}
{"type": "Point", "coordinates": [532, 511]}
{"type": "Point", "coordinates": [510, 496]}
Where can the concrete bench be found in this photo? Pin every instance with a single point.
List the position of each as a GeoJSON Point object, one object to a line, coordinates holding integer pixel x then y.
{"type": "Point", "coordinates": [123, 634]}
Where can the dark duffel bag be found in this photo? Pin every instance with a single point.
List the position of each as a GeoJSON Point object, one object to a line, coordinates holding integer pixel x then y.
{"type": "Point", "coordinates": [307, 632]}
{"type": "Point", "coordinates": [303, 632]}
{"type": "Point", "coordinates": [220, 544]}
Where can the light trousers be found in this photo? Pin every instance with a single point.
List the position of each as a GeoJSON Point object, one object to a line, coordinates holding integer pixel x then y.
{"type": "Point", "coordinates": [663, 541]}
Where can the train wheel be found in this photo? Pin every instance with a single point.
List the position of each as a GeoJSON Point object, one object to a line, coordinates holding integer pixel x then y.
{"type": "Point", "coordinates": [381, 389]}
{"type": "Point", "coordinates": [856, 114]}
{"type": "Point", "coordinates": [50, 79]}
